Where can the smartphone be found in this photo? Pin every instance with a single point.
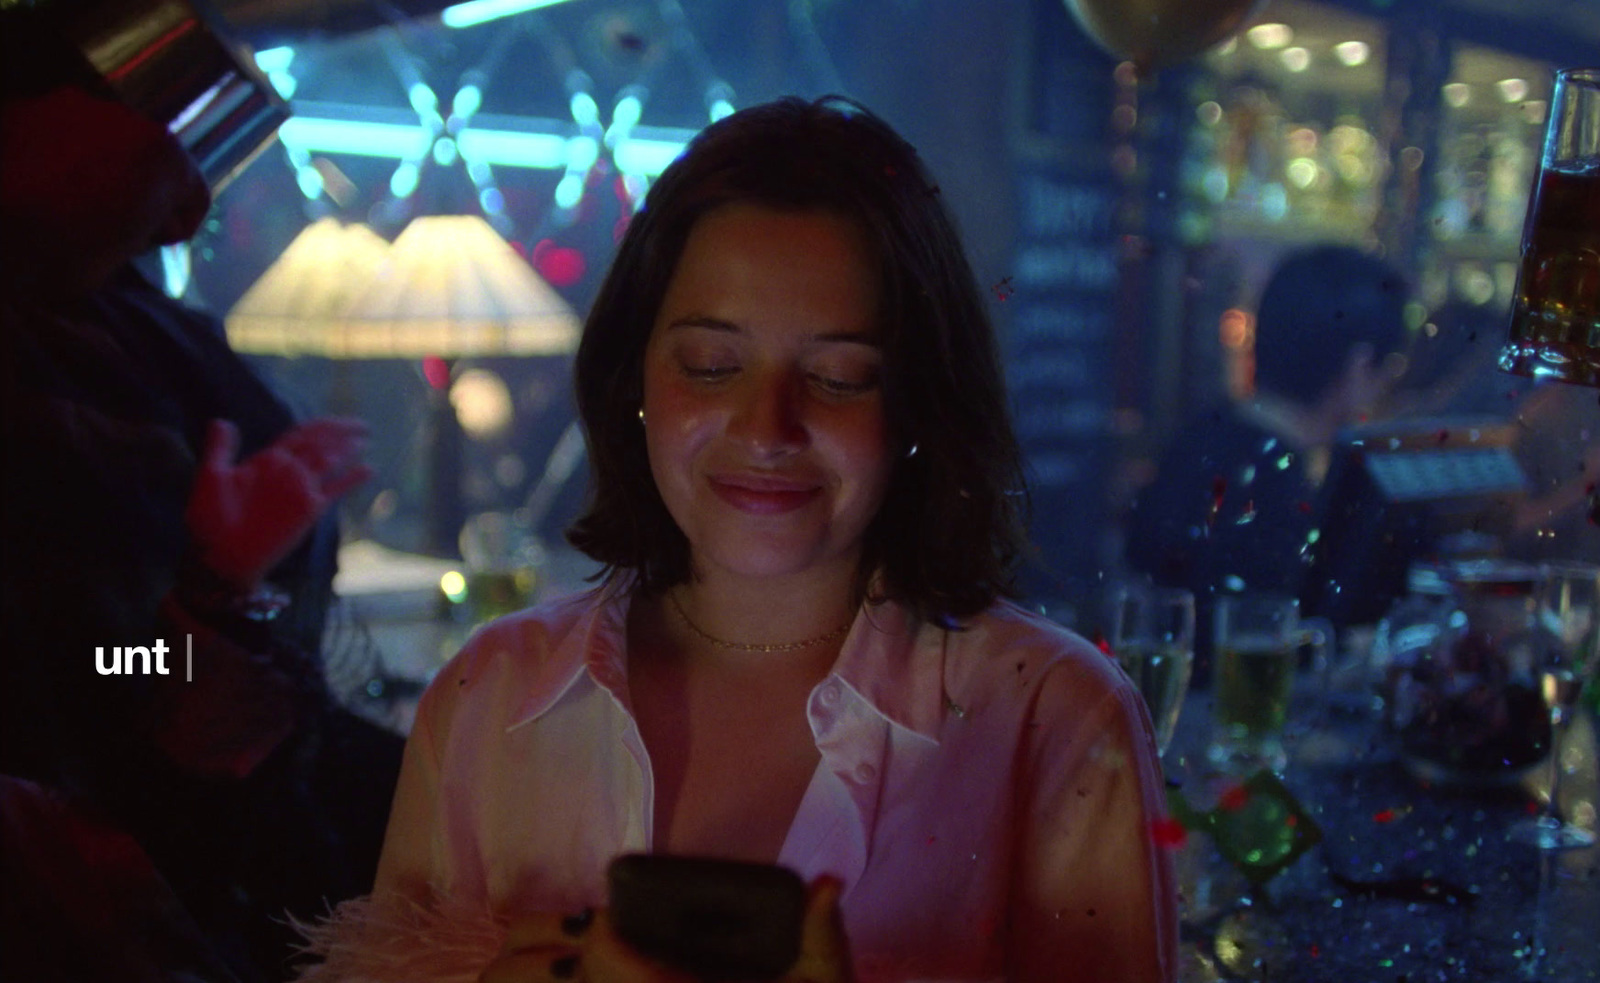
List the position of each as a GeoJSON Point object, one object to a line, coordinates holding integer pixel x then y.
{"type": "Point", "coordinates": [715, 919]}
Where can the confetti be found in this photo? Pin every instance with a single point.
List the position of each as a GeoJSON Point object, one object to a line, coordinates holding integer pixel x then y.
{"type": "Point", "coordinates": [1169, 833]}
{"type": "Point", "coordinates": [1383, 816]}
{"type": "Point", "coordinates": [1219, 489]}
{"type": "Point", "coordinates": [1234, 799]}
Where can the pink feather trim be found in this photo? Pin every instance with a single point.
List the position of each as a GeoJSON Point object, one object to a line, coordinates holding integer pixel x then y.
{"type": "Point", "coordinates": [397, 939]}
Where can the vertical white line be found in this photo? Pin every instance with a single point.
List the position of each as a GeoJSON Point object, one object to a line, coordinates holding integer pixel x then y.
{"type": "Point", "coordinates": [188, 671]}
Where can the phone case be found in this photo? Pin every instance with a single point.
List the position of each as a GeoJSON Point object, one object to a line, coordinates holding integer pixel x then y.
{"type": "Point", "coordinates": [717, 919]}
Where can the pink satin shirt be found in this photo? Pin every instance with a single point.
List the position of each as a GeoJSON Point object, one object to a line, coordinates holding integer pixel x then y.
{"type": "Point", "coordinates": [986, 795]}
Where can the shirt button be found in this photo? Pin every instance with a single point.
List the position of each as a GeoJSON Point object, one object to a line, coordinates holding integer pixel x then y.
{"type": "Point", "coordinates": [865, 773]}
{"type": "Point", "coordinates": [831, 693]}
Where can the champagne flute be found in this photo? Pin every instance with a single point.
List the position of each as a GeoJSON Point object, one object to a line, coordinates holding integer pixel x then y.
{"type": "Point", "coordinates": [1152, 634]}
{"type": "Point", "coordinates": [1569, 607]}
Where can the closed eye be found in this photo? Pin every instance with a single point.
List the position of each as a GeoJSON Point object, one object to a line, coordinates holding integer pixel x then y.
{"type": "Point", "coordinates": [709, 373]}
{"type": "Point", "coordinates": [843, 387]}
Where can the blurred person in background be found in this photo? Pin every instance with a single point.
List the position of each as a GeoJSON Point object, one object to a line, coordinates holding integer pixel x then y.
{"type": "Point", "coordinates": [1235, 494]}
{"type": "Point", "coordinates": [1558, 446]}
{"type": "Point", "coordinates": [1453, 375]}
{"type": "Point", "coordinates": [155, 491]}
{"type": "Point", "coordinates": [1452, 367]}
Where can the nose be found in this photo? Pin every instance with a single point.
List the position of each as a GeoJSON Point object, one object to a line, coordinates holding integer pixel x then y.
{"type": "Point", "coordinates": [769, 418]}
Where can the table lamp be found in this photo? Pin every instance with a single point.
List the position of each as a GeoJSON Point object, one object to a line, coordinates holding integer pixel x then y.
{"type": "Point", "coordinates": [448, 287]}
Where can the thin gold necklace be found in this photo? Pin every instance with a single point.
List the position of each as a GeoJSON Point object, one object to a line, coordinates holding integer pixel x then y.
{"type": "Point", "coordinates": [752, 646]}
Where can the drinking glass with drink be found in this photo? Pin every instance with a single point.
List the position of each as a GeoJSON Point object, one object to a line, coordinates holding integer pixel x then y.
{"type": "Point", "coordinates": [1152, 634]}
{"type": "Point", "coordinates": [503, 559]}
{"type": "Point", "coordinates": [1569, 609]}
{"type": "Point", "coordinates": [1555, 318]}
{"type": "Point", "coordinates": [1258, 640]}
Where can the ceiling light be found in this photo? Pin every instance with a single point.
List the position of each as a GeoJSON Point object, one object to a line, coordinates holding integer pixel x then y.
{"type": "Point", "coordinates": [275, 59]}
{"type": "Point", "coordinates": [1512, 90]}
{"type": "Point", "coordinates": [1268, 37]}
{"type": "Point", "coordinates": [647, 157]}
{"type": "Point", "coordinates": [1301, 172]}
{"type": "Point", "coordinates": [1295, 59]}
{"type": "Point", "coordinates": [585, 111]}
{"type": "Point", "coordinates": [1352, 53]}
{"type": "Point", "coordinates": [355, 137]}
{"type": "Point", "coordinates": [468, 100]}
{"type": "Point", "coordinates": [478, 11]}
{"type": "Point", "coordinates": [515, 149]}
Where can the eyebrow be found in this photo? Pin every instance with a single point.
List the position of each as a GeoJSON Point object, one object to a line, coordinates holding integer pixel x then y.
{"type": "Point", "coordinates": [718, 324]}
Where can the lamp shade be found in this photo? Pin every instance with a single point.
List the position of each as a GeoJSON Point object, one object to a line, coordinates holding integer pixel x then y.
{"type": "Point", "coordinates": [295, 308]}
{"type": "Point", "coordinates": [450, 286]}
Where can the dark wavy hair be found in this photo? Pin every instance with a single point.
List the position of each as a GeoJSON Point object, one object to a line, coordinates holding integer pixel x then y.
{"type": "Point", "coordinates": [950, 528]}
{"type": "Point", "coordinates": [1318, 305]}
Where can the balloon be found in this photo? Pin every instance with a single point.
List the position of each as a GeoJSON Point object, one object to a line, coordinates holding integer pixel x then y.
{"type": "Point", "coordinates": [1161, 32]}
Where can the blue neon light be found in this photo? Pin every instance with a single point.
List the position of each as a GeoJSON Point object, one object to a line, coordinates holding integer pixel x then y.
{"type": "Point", "coordinates": [305, 135]}
{"type": "Point", "coordinates": [478, 11]}
{"type": "Point", "coordinates": [353, 137]}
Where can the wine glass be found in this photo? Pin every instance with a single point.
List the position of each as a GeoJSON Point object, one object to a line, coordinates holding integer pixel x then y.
{"type": "Point", "coordinates": [1569, 607]}
{"type": "Point", "coordinates": [1152, 634]}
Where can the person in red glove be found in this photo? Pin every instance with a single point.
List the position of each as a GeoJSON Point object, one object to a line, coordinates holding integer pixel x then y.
{"type": "Point", "coordinates": [156, 490]}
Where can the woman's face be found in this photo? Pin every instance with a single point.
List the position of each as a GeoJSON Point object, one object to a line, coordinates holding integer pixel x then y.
{"type": "Point", "coordinates": [763, 398]}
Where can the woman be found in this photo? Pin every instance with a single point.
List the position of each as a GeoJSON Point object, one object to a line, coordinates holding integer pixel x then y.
{"type": "Point", "coordinates": [805, 491]}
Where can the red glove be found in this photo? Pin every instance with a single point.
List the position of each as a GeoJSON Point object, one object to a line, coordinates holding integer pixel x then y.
{"type": "Point", "coordinates": [245, 517]}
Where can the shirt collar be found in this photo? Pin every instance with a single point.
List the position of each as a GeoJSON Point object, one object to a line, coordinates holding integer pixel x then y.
{"type": "Point", "coordinates": [595, 644]}
{"type": "Point", "coordinates": [892, 659]}
{"type": "Point", "coordinates": [895, 662]}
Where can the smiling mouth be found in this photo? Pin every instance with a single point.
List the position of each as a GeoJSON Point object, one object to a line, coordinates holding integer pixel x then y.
{"type": "Point", "coordinates": [759, 495]}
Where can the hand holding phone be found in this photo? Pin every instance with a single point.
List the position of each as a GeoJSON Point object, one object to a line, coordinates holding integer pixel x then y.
{"type": "Point", "coordinates": [714, 919]}
{"type": "Point", "coordinates": [672, 924]}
